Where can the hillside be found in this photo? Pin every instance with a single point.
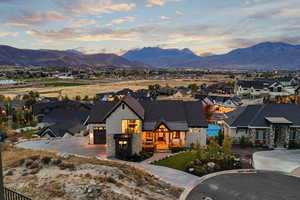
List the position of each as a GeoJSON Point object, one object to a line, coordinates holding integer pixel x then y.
{"type": "Point", "coordinates": [266, 55]}
{"type": "Point", "coordinates": [27, 57]}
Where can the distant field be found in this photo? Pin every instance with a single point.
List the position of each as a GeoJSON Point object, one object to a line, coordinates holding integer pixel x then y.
{"type": "Point", "coordinates": [112, 86]}
{"type": "Point", "coordinates": [62, 84]}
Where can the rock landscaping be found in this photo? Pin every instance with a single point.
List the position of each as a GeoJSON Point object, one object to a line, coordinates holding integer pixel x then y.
{"type": "Point", "coordinates": [48, 176]}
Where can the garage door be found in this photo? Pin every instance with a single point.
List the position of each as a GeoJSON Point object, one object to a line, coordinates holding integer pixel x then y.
{"type": "Point", "coordinates": [99, 135]}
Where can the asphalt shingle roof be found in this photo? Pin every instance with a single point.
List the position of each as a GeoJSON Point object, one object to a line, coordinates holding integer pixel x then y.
{"type": "Point", "coordinates": [177, 115]}
{"type": "Point", "coordinates": [255, 115]}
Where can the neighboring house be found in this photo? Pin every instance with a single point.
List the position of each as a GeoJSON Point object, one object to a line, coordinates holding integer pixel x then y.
{"type": "Point", "coordinates": [272, 125]}
{"type": "Point", "coordinates": [62, 129]}
{"type": "Point", "coordinates": [288, 81]}
{"type": "Point", "coordinates": [129, 125]}
{"type": "Point", "coordinates": [15, 104]}
{"type": "Point", "coordinates": [40, 109]}
{"type": "Point", "coordinates": [109, 96]}
{"type": "Point", "coordinates": [182, 92]}
{"type": "Point", "coordinates": [221, 104]}
{"type": "Point", "coordinates": [262, 88]}
{"type": "Point", "coordinates": [62, 118]}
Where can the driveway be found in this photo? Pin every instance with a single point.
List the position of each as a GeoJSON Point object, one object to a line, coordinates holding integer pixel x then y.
{"type": "Point", "coordinates": [277, 160]}
{"type": "Point", "coordinates": [75, 145]}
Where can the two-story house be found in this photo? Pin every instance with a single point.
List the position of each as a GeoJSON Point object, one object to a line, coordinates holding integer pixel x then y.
{"type": "Point", "coordinates": [128, 125]}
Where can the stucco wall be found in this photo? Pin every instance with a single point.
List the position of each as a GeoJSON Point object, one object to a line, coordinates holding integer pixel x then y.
{"type": "Point", "coordinates": [114, 126]}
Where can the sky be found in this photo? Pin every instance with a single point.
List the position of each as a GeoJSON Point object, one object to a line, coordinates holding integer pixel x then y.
{"type": "Point", "coordinates": [116, 26]}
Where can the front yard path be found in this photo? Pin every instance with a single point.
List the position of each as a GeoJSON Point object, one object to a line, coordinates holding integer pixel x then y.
{"type": "Point", "coordinates": [172, 176]}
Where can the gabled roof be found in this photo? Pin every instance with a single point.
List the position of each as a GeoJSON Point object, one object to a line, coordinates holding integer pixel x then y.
{"type": "Point", "coordinates": [40, 107]}
{"type": "Point", "coordinates": [177, 115]}
{"type": "Point", "coordinates": [99, 111]}
{"type": "Point", "coordinates": [256, 115]}
{"type": "Point", "coordinates": [256, 84]}
{"type": "Point", "coordinates": [63, 114]}
{"type": "Point", "coordinates": [60, 129]}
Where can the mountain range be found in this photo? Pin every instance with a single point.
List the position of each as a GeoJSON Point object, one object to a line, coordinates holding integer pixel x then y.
{"type": "Point", "coordinates": [28, 57]}
{"type": "Point", "coordinates": [263, 55]}
{"type": "Point", "coordinates": [158, 57]}
{"type": "Point", "coordinates": [267, 55]}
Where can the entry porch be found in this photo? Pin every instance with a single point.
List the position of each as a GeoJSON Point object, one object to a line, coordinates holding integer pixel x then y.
{"type": "Point", "coordinates": [163, 138]}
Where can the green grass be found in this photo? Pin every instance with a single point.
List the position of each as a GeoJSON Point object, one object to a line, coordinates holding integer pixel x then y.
{"type": "Point", "coordinates": [179, 161]}
{"type": "Point", "coordinates": [30, 132]}
{"type": "Point", "coordinates": [63, 84]}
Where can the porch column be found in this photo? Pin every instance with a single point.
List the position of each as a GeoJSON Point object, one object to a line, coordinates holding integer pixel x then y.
{"type": "Point", "coordinates": [287, 136]}
{"type": "Point", "coordinates": [252, 135]}
{"type": "Point", "coordinates": [271, 137]}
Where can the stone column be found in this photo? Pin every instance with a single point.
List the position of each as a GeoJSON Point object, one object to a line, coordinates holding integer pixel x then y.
{"type": "Point", "coordinates": [287, 136]}
{"type": "Point", "coordinates": [136, 143]}
{"type": "Point", "coordinates": [271, 137]}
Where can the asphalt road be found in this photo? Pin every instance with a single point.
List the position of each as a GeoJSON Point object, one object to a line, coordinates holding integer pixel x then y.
{"type": "Point", "coordinates": [261, 185]}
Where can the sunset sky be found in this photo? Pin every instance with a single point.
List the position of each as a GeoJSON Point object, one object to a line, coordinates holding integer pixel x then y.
{"type": "Point", "coordinates": [115, 26]}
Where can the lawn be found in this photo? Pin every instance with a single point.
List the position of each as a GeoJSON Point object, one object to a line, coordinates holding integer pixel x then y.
{"type": "Point", "coordinates": [179, 161]}
{"type": "Point", "coordinates": [62, 84]}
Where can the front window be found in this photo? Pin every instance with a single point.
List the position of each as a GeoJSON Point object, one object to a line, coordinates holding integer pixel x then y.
{"type": "Point", "coordinates": [292, 136]}
{"type": "Point", "coordinates": [130, 126]}
{"type": "Point", "coordinates": [176, 135]}
{"type": "Point", "coordinates": [260, 135]}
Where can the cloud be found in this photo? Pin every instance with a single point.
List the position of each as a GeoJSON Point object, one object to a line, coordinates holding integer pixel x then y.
{"type": "Point", "coordinates": [8, 34]}
{"type": "Point", "coordinates": [152, 3]}
{"type": "Point", "coordinates": [82, 23]}
{"type": "Point", "coordinates": [52, 34]}
{"type": "Point", "coordinates": [165, 18]}
{"type": "Point", "coordinates": [121, 20]}
{"type": "Point", "coordinates": [288, 13]}
{"type": "Point", "coordinates": [93, 7]}
{"type": "Point", "coordinates": [179, 13]}
{"type": "Point", "coordinates": [35, 18]}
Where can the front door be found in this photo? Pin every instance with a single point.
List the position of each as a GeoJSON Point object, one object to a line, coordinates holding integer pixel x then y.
{"type": "Point", "coordinates": [123, 148]}
{"type": "Point", "coordinates": [279, 139]}
{"type": "Point", "coordinates": [162, 141]}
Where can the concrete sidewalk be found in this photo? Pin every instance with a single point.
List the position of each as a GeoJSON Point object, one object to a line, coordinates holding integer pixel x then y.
{"type": "Point", "coordinates": [169, 175]}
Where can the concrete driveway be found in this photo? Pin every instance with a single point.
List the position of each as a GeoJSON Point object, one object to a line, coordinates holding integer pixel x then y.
{"type": "Point", "coordinates": [74, 145]}
{"type": "Point", "coordinates": [277, 160]}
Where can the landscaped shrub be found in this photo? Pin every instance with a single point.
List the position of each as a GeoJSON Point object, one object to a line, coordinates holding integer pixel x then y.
{"type": "Point", "coordinates": [65, 165]}
{"type": "Point", "coordinates": [177, 149]}
{"type": "Point", "coordinates": [245, 142]}
{"type": "Point", "coordinates": [214, 158]}
{"type": "Point", "coordinates": [143, 155]}
{"type": "Point", "coordinates": [294, 145]}
{"type": "Point", "coordinates": [46, 160]}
